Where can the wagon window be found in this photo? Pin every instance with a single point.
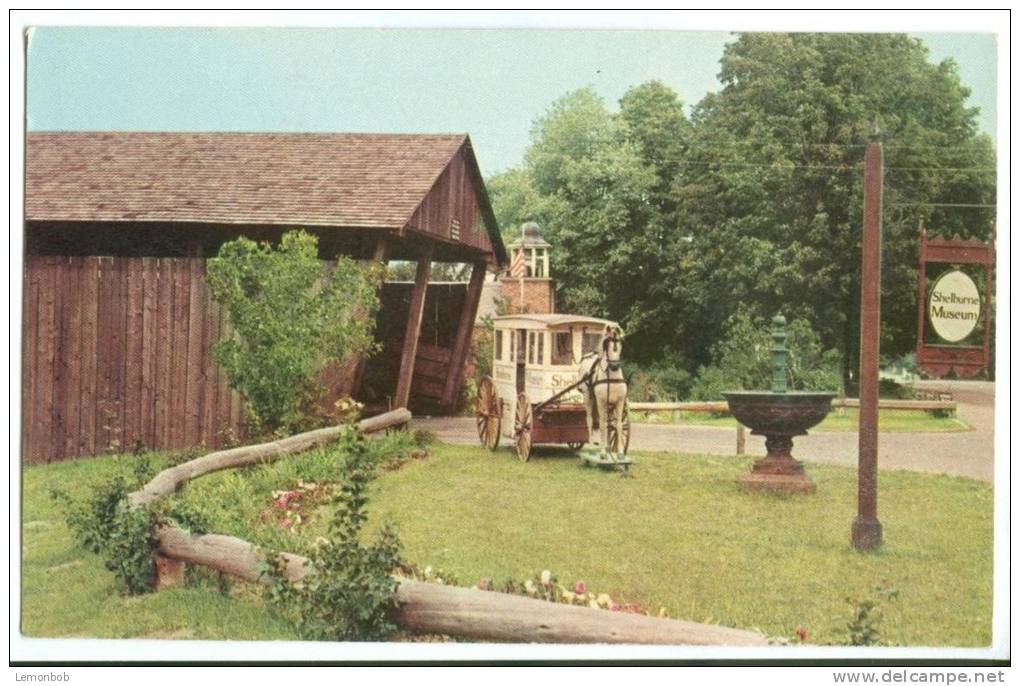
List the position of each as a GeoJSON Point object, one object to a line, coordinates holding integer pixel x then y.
{"type": "Point", "coordinates": [561, 352]}
{"type": "Point", "coordinates": [499, 345]}
{"type": "Point", "coordinates": [522, 343]}
{"type": "Point", "coordinates": [540, 355]}
{"type": "Point", "coordinates": [531, 347]}
{"type": "Point", "coordinates": [590, 342]}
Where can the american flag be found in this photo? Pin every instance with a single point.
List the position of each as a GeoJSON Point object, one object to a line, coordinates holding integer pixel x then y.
{"type": "Point", "coordinates": [517, 265]}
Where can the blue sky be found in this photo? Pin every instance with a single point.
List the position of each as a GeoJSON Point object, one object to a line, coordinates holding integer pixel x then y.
{"type": "Point", "coordinates": [491, 84]}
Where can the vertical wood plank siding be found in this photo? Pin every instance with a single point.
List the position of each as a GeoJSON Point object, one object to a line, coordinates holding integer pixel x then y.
{"type": "Point", "coordinates": [118, 352]}
{"type": "Point", "coordinates": [453, 197]}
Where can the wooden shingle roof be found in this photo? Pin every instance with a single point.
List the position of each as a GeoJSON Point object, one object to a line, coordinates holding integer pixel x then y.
{"type": "Point", "coordinates": [344, 180]}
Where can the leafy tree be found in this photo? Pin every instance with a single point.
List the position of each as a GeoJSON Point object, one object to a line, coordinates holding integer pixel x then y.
{"type": "Point", "coordinates": [672, 225]}
{"type": "Point", "coordinates": [654, 121]}
{"type": "Point", "coordinates": [514, 202]}
{"type": "Point", "coordinates": [292, 316]}
{"type": "Point", "coordinates": [590, 190]}
{"type": "Point", "coordinates": [772, 192]}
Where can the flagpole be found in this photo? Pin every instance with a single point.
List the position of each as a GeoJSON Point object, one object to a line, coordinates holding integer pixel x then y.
{"type": "Point", "coordinates": [521, 306]}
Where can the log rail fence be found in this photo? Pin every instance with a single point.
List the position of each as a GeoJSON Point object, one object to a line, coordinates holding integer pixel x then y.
{"type": "Point", "coordinates": [942, 404]}
{"type": "Point", "coordinates": [422, 607]}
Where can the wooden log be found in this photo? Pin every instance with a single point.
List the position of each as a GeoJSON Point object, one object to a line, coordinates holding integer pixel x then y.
{"type": "Point", "coordinates": [468, 612]}
{"type": "Point", "coordinates": [487, 615]}
{"type": "Point", "coordinates": [227, 554]}
{"type": "Point", "coordinates": [723, 406]}
{"type": "Point", "coordinates": [169, 480]}
{"type": "Point", "coordinates": [711, 406]}
{"type": "Point", "coordinates": [895, 404]}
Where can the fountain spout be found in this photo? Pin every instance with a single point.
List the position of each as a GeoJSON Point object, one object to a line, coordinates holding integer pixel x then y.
{"type": "Point", "coordinates": [779, 354]}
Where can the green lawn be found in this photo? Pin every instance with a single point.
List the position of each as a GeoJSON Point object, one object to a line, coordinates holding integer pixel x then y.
{"type": "Point", "coordinates": [66, 592]}
{"type": "Point", "coordinates": [844, 419]}
{"type": "Point", "coordinates": [677, 535]}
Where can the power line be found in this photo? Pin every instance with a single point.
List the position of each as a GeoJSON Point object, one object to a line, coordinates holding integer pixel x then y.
{"type": "Point", "coordinates": [752, 165]}
{"type": "Point", "coordinates": [845, 167]}
{"type": "Point", "coordinates": [943, 169]}
{"type": "Point", "coordinates": [939, 204]}
{"type": "Point", "coordinates": [975, 145]}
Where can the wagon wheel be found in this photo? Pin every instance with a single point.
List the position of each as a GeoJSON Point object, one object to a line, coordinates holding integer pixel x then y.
{"type": "Point", "coordinates": [488, 413]}
{"type": "Point", "coordinates": [522, 427]}
{"type": "Point", "coordinates": [620, 443]}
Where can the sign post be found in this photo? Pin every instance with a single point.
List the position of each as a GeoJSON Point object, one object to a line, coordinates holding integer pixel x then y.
{"type": "Point", "coordinates": [866, 533]}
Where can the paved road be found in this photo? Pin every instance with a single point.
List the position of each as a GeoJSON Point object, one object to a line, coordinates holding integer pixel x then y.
{"type": "Point", "coordinates": [966, 453]}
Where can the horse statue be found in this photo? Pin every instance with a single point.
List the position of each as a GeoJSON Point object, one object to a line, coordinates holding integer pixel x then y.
{"type": "Point", "coordinates": [605, 389]}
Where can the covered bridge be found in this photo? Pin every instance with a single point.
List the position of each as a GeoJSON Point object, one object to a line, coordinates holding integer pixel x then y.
{"type": "Point", "coordinates": [118, 324]}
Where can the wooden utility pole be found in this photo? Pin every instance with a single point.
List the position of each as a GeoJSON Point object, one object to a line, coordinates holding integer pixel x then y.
{"type": "Point", "coordinates": [866, 533]}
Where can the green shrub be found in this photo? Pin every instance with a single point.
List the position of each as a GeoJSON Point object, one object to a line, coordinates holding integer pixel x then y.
{"type": "Point", "coordinates": [862, 626]}
{"type": "Point", "coordinates": [888, 388]}
{"type": "Point", "coordinates": [349, 594]}
{"type": "Point", "coordinates": [104, 524]}
{"type": "Point", "coordinates": [292, 316]}
{"type": "Point", "coordinates": [662, 381]}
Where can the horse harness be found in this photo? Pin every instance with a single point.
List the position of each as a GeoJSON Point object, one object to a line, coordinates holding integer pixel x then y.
{"type": "Point", "coordinates": [611, 367]}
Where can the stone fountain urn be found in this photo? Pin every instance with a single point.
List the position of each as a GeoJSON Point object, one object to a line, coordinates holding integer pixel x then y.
{"type": "Point", "coordinates": [778, 415]}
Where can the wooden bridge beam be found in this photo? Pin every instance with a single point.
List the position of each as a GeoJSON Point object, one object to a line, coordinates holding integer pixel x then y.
{"type": "Point", "coordinates": [413, 328]}
{"type": "Point", "coordinates": [462, 344]}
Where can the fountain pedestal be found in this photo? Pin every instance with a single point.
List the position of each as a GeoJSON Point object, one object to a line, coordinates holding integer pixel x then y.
{"type": "Point", "coordinates": [778, 472]}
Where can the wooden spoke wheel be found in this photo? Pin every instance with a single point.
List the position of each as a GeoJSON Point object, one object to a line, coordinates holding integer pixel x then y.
{"type": "Point", "coordinates": [488, 414]}
{"type": "Point", "coordinates": [522, 426]}
{"type": "Point", "coordinates": [619, 443]}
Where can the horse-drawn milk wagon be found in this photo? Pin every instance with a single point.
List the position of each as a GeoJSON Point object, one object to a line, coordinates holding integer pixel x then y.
{"type": "Point", "coordinates": [554, 378]}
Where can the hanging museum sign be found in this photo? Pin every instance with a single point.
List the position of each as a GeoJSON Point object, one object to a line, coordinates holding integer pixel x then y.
{"type": "Point", "coordinates": [953, 314]}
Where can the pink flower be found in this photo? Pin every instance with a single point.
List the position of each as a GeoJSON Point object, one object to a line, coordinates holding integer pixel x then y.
{"type": "Point", "coordinates": [580, 588]}
{"type": "Point", "coordinates": [286, 523]}
{"type": "Point", "coordinates": [281, 504]}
